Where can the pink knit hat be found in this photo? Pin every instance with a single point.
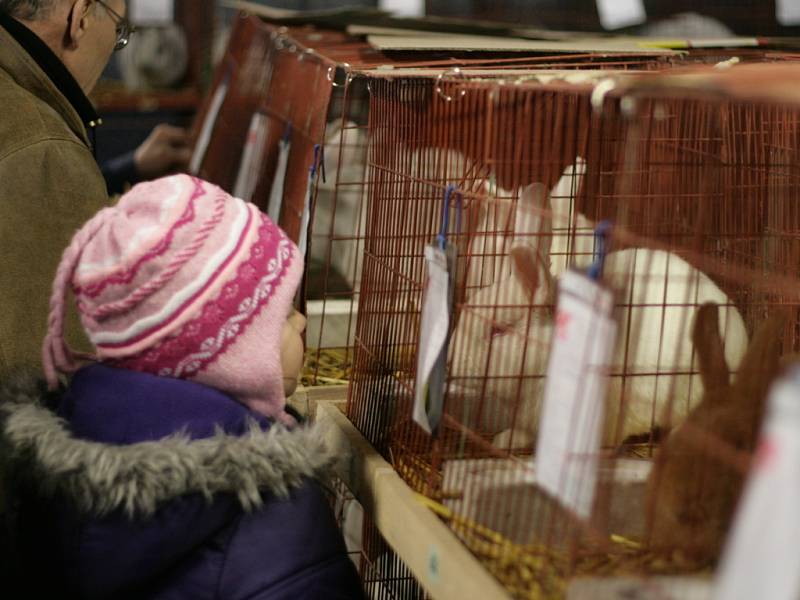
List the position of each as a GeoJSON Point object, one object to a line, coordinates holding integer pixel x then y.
{"type": "Point", "coordinates": [180, 279]}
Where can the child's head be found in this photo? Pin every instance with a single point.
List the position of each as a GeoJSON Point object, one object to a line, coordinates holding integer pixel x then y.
{"type": "Point", "coordinates": [180, 279]}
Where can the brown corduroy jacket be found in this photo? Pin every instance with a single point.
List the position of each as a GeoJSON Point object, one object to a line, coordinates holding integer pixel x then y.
{"type": "Point", "coordinates": [50, 185]}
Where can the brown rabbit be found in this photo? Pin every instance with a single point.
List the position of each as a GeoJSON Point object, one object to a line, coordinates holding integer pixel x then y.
{"type": "Point", "coordinates": [692, 491]}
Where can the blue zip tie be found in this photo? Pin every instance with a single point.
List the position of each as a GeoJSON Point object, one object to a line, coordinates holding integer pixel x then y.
{"type": "Point", "coordinates": [313, 168]}
{"type": "Point", "coordinates": [595, 271]}
{"type": "Point", "coordinates": [459, 210]}
{"type": "Point", "coordinates": [442, 237]}
{"type": "Point", "coordinates": [288, 133]}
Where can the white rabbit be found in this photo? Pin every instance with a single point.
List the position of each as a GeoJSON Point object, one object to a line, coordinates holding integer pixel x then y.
{"type": "Point", "coordinates": [500, 346]}
{"type": "Point", "coordinates": [572, 232]}
{"type": "Point", "coordinates": [419, 177]}
{"type": "Point", "coordinates": [339, 215]}
{"type": "Point", "coordinates": [487, 249]}
{"type": "Point", "coordinates": [491, 356]}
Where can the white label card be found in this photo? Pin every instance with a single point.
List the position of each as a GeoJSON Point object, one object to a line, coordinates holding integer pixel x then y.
{"type": "Point", "coordinates": [574, 395]}
{"type": "Point", "coordinates": [151, 12]}
{"type": "Point", "coordinates": [434, 331]}
{"type": "Point", "coordinates": [252, 158]}
{"type": "Point", "coordinates": [759, 559]}
{"type": "Point", "coordinates": [403, 8]}
{"type": "Point", "coordinates": [276, 191]}
{"type": "Point", "coordinates": [787, 12]}
{"type": "Point", "coordinates": [305, 218]}
{"type": "Point", "coordinates": [615, 14]}
{"type": "Point", "coordinates": [201, 147]}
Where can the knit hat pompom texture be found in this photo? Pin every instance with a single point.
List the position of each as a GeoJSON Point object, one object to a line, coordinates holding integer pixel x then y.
{"type": "Point", "coordinates": [182, 280]}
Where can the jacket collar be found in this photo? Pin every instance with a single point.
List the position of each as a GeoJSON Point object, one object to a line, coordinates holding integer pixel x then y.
{"type": "Point", "coordinates": [99, 478]}
{"type": "Point", "coordinates": [52, 81]}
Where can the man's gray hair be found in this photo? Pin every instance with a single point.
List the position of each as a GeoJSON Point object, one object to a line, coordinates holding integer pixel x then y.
{"type": "Point", "coordinates": [26, 10]}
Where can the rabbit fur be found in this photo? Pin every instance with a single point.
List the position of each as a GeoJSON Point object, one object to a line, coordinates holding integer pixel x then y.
{"type": "Point", "coordinates": [572, 233]}
{"type": "Point", "coordinates": [499, 349]}
{"type": "Point", "coordinates": [692, 493]}
{"type": "Point", "coordinates": [420, 175]}
{"type": "Point", "coordinates": [338, 239]}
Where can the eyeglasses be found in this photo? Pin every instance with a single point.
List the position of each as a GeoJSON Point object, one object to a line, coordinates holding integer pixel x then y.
{"type": "Point", "coordinates": [124, 27]}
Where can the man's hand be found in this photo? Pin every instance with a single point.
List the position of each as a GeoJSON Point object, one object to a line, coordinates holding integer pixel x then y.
{"type": "Point", "coordinates": [164, 151]}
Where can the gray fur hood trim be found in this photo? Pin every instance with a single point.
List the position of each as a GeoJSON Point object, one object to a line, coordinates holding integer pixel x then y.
{"type": "Point", "coordinates": [101, 478]}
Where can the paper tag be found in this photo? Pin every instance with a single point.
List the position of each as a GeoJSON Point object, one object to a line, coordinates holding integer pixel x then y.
{"type": "Point", "coordinates": [204, 138]}
{"type": "Point", "coordinates": [433, 336]}
{"type": "Point", "coordinates": [151, 12]}
{"type": "Point", "coordinates": [276, 192]}
{"type": "Point", "coordinates": [759, 559]}
{"type": "Point", "coordinates": [305, 218]}
{"type": "Point", "coordinates": [252, 158]}
{"type": "Point", "coordinates": [403, 8]}
{"type": "Point", "coordinates": [615, 14]}
{"type": "Point", "coordinates": [571, 426]}
{"type": "Point", "coordinates": [787, 12]}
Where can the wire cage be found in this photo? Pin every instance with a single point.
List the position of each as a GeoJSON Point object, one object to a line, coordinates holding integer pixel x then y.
{"type": "Point", "coordinates": [384, 575]}
{"type": "Point", "coordinates": [524, 157]}
{"type": "Point", "coordinates": [700, 189]}
{"type": "Point", "coordinates": [337, 230]}
{"type": "Point", "coordinates": [295, 100]}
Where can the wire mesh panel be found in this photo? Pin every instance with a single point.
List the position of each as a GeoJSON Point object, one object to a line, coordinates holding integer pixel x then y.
{"type": "Point", "coordinates": [337, 235]}
{"type": "Point", "coordinates": [264, 73]}
{"type": "Point", "coordinates": [699, 196]}
{"type": "Point", "coordinates": [384, 575]}
{"type": "Point", "coordinates": [693, 192]}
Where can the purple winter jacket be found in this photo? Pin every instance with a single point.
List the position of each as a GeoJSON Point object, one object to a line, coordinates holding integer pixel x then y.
{"type": "Point", "coordinates": [148, 487]}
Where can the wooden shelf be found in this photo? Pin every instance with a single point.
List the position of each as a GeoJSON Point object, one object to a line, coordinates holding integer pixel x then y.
{"type": "Point", "coordinates": [439, 561]}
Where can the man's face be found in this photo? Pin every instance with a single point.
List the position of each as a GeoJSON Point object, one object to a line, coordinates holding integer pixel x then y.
{"type": "Point", "coordinates": [94, 50]}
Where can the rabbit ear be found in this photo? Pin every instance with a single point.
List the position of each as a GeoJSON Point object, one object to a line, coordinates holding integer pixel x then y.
{"type": "Point", "coordinates": [532, 225]}
{"type": "Point", "coordinates": [761, 362]}
{"type": "Point", "coordinates": [526, 269]}
{"type": "Point", "coordinates": [710, 351]}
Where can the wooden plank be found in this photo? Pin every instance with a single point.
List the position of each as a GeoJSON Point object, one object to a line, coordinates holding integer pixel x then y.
{"type": "Point", "coordinates": [640, 588]}
{"type": "Point", "coordinates": [467, 43]}
{"type": "Point", "coordinates": [441, 564]}
{"type": "Point", "coordinates": [502, 495]}
{"type": "Point", "coordinates": [305, 399]}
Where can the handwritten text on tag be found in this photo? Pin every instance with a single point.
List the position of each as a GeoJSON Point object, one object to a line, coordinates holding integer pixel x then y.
{"type": "Point", "coordinates": [574, 394]}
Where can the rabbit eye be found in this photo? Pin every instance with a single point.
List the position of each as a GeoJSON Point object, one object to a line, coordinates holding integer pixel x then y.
{"type": "Point", "coordinates": [499, 329]}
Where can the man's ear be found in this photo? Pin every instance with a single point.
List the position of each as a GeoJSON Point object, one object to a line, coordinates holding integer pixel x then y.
{"type": "Point", "coordinates": [78, 18]}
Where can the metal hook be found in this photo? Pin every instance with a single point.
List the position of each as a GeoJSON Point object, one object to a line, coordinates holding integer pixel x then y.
{"type": "Point", "coordinates": [348, 70]}
{"type": "Point", "coordinates": [454, 72]}
{"type": "Point", "coordinates": [279, 32]}
{"type": "Point", "coordinates": [306, 52]}
{"type": "Point", "coordinates": [280, 42]}
{"type": "Point", "coordinates": [600, 91]}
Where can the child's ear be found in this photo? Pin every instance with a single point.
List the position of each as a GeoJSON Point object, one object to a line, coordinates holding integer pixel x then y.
{"type": "Point", "coordinates": [78, 19]}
